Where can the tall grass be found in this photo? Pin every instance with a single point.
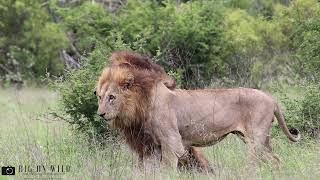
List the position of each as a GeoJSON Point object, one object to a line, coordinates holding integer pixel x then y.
{"type": "Point", "coordinates": [29, 136]}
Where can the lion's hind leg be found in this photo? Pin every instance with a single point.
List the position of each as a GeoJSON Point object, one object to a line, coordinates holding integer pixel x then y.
{"type": "Point", "coordinates": [201, 162]}
{"type": "Point", "coordinates": [269, 155]}
{"type": "Point", "coordinates": [260, 149]}
{"type": "Point", "coordinates": [195, 160]}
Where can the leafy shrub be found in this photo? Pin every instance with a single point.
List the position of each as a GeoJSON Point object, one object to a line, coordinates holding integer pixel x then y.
{"type": "Point", "coordinates": [78, 104]}
{"type": "Point", "coordinates": [308, 45]}
{"type": "Point", "coordinates": [300, 24]}
{"type": "Point", "coordinates": [254, 46]}
{"type": "Point", "coordinates": [199, 43]}
{"type": "Point", "coordinates": [301, 111]}
{"type": "Point", "coordinates": [311, 109]}
{"type": "Point", "coordinates": [189, 37]}
{"type": "Point", "coordinates": [77, 100]}
{"type": "Point", "coordinates": [292, 108]}
{"type": "Point", "coordinates": [86, 25]}
{"type": "Point", "coordinates": [30, 42]}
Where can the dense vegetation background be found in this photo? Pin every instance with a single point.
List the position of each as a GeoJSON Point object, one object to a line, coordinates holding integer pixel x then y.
{"type": "Point", "coordinates": [267, 44]}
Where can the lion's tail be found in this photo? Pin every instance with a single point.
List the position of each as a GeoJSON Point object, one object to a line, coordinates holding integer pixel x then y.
{"type": "Point", "coordinates": [293, 134]}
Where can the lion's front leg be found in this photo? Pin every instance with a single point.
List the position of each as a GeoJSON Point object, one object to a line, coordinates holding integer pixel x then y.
{"type": "Point", "coordinates": [165, 128]}
{"type": "Point", "coordinates": [172, 150]}
{"type": "Point", "coordinates": [151, 161]}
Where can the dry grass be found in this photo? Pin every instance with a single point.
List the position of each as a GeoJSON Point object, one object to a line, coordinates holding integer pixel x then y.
{"type": "Point", "coordinates": [29, 137]}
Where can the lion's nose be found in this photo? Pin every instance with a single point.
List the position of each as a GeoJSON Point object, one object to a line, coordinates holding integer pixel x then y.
{"type": "Point", "coordinates": [101, 115]}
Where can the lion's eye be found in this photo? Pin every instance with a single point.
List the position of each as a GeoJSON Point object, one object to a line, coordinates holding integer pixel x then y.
{"type": "Point", "coordinates": [111, 97]}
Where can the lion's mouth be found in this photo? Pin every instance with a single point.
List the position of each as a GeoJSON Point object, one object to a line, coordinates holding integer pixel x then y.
{"type": "Point", "coordinates": [108, 120]}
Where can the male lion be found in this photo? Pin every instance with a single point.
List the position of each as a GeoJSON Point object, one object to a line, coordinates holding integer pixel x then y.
{"type": "Point", "coordinates": [195, 160]}
{"type": "Point", "coordinates": [163, 123]}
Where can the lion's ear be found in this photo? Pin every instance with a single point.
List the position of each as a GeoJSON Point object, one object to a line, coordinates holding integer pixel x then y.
{"type": "Point", "coordinates": [128, 82]}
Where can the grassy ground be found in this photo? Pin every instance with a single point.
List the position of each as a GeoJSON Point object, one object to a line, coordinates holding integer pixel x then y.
{"type": "Point", "coordinates": [29, 137]}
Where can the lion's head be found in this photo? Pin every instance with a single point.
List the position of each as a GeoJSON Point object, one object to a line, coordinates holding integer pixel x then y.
{"type": "Point", "coordinates": [123, 94]}
{"type": "Point", "coordinates": [124, 87]}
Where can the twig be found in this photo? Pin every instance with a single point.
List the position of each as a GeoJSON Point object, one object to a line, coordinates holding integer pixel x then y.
{"type": "Point", "coordinates": [5, 69]}
{"type": "Point", "coordinates": [70, 62]}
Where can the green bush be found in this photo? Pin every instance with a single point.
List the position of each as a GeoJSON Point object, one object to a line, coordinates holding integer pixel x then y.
{"type": "Point", "coordinates": [300, 24]}
{"type": "Point", "coordinates": [311, 109]}
{"type": "Point", "coordinates": [189, 37]}
{"type": "Point", "coordinates": [78, 104]}
{"type": "Point", "coordinates": [199, 43]}
{"type": "Point", "coordinates": [248, 42]}
{"type": "Point", "coordinates": [292, 108]}
{"type": "Point", "coordinates": [301, 107]}
{"type": "Point", "coordinates": [86, 25]}
{"type": "Point", "coordinates": [30, 43]}
{"type": "Point", "coordinates": [308, 45]}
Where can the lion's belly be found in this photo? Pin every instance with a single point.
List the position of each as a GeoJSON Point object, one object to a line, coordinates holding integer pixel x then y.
{"type": "Point", "coordinates": [203, 135]}
{"type": "Point", "coordinates": [208, 124]}
{"type": "Point", "coordinates": [202, 141]}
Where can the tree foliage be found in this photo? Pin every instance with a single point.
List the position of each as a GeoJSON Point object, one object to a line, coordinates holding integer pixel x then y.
{"type": "Point", "coordinates": [30, 42]}
{"type": "Point", "coordinates": [202, 43]}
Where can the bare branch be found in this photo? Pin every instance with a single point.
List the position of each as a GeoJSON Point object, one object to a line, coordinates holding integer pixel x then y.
{"type": "Point", "coordinates": [70, 62]}
{"type": "Point", "coordinates": [5, 69]}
